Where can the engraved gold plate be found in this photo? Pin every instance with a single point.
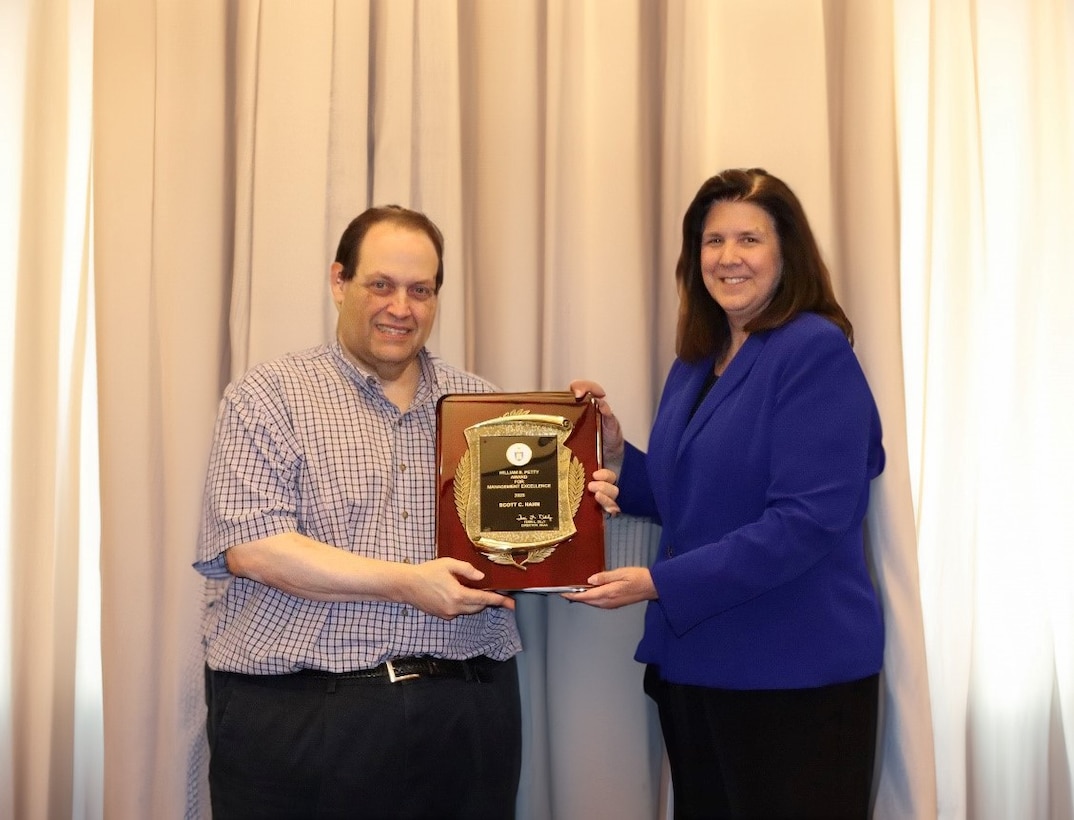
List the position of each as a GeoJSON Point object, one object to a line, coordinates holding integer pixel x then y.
{"type": "Point", "coordinates": [518, 486]}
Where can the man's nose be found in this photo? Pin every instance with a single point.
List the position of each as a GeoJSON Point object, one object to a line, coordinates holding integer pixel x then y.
{"type": "Point", "coordinates": [400, 301]}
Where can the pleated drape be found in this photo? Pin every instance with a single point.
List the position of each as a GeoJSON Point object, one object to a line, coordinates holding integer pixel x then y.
{"type": "Point", "coordinates": [986, 130]}
{"type": "Point", "coordinates": [49, 711]}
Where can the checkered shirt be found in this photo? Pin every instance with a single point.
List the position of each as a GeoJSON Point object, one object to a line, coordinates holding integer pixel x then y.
{"type": "Point", "coordinates": [308, 443]}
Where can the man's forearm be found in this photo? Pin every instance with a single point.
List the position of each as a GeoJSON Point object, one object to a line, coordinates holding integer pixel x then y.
{"type": "Point", "coordinates": [307, 568]}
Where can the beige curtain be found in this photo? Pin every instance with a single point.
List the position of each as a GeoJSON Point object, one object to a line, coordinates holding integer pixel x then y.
{"type": "Point", "coordinates": [164, 238]}
{"type": "Point", "coordinates": [50, 710]}
{"type": "Point", "coordinates": [987, 134]}
{"type": "Point", "coordinates": [866, 256]}
{"type": "Point", "coordinates": [557, 144]}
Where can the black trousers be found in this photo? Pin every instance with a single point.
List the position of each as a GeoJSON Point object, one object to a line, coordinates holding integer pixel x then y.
{"type": "Point", "coordinates": [294, 746]}
{"type": "Point", "coordinates": [769, 754]}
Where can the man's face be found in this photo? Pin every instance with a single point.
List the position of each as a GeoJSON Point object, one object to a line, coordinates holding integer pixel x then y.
{"type": "Point", "coordinates": [387, 310]}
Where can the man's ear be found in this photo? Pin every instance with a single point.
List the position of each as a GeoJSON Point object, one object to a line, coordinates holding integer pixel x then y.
{"type": "Point", "coordinates": [336, 281]}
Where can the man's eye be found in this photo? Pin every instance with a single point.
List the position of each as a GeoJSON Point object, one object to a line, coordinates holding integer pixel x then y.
{"type": "Point", "coordinates": [421, 292]}
{"type": "Point", "coordinates": [381, 286]}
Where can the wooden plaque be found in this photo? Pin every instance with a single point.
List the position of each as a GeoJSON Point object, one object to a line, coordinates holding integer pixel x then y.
{"type": "Point", "coordinates": [512, 470]}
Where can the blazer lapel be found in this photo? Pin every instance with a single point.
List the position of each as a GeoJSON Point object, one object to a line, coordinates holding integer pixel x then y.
{"type": "Point", "coordinates": [732, 377]}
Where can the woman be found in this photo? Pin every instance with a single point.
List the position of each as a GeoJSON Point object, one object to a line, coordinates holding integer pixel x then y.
{"type": "Point", "coordinates": [763, 635]}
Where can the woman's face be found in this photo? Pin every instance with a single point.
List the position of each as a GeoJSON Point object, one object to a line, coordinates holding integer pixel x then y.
{"type": "Point", "coordinates": [741, 261]}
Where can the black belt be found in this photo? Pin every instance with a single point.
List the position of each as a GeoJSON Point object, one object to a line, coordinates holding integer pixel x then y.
{"type": "Point", "coordinates": [404, 669]}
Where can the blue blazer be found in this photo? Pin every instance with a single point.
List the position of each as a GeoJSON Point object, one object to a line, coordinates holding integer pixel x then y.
{"type": "Point", "coordinates": [761, 575]}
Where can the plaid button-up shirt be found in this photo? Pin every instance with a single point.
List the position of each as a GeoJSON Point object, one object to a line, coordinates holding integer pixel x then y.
{"type": "Point", "coordinates": [308, 443]}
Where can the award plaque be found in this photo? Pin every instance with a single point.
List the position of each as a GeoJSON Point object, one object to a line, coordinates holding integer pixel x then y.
{"type": "Point", "coordinates": [512, 470]}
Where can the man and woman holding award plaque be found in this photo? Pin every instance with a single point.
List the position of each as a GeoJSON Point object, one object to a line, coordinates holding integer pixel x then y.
{"type": "Point", "coordinates": [349, 672]}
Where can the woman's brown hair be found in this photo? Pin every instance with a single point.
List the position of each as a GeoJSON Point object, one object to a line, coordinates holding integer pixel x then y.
{"type": "Point", "coordinates": [804, 286]}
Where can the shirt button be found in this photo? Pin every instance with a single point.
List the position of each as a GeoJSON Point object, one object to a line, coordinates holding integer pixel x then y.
{"type": "Point", "coordinates": [671, 551]}
{"type": "Point", "coordinates": [402, 468]}
{"type": "Point", "coordinates": [406, 515]}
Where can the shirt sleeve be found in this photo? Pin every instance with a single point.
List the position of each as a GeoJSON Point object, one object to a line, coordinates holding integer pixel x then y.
{"type": "Point", "coordinates": [251, 483]}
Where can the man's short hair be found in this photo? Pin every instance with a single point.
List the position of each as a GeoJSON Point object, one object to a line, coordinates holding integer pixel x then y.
{"type": "Point", "coordinates": [350, 243]}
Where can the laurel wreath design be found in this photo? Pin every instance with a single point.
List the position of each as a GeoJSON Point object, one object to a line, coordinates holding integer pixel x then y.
{"type": "Point", "coordinates": [462, 488]}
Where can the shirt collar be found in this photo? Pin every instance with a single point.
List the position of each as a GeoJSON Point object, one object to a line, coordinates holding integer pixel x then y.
{"type": "Point", "coordinates": [428, 384]}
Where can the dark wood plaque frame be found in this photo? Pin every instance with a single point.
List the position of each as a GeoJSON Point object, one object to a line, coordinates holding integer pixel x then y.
{"type": "Point", "coordinates": [572, 560]}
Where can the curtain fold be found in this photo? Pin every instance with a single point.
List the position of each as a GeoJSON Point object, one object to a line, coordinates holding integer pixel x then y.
{"type": "Point", "coordinates": [284, 116]}
{"type": "Point", "coordinates": [49, 733]}
{"type": "Point", "coordinates": [866, 267]}
{"type": "Point", "coordinates": [163, 252]}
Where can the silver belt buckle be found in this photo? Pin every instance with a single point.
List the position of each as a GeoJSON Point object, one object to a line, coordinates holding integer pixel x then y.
{"type": "Point", "coordinates": [394, 678]}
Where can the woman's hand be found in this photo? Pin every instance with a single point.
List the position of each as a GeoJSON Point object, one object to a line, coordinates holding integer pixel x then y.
{"type": "Point", "coordinates": [611, 431]}
{"type": "Point", "coordinates": [604, 490]}
{"type": "Point", "coordinates": [616, 588]}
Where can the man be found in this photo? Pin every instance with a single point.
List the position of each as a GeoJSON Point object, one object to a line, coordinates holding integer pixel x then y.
{"type": "Point", "coordinates": [349, 672]}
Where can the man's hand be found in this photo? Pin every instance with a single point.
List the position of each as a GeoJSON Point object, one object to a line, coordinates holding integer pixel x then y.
{"type": "Point", "coordinates": [616, 588]}
{"type": "Point", "coordinates": [434, 588]}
